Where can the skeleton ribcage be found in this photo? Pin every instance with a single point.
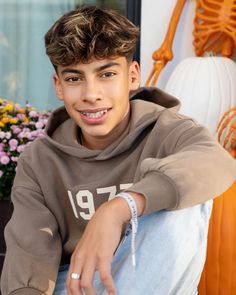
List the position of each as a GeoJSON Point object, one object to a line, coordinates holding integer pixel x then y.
{"type": "Point", "coordinates": [215, 27]}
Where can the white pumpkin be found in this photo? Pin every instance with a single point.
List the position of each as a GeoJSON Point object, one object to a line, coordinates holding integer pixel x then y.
{"type": "Point", "coordinates": [206, 87]}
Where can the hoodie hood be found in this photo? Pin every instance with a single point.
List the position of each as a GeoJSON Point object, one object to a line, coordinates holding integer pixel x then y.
{"type": "Point", "coordinates": [146, 106]}
{"type": "Point", "coordinates": [156, 96]}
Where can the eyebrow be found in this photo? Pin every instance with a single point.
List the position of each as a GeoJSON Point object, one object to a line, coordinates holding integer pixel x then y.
{"type": "Point", "coordinates": [101, 68]}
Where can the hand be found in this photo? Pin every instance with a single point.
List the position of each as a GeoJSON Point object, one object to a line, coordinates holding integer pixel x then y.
{"type": "Point", "coordinates": [96, 248]}
{"type": "Point", "coordinates": [97, 245]}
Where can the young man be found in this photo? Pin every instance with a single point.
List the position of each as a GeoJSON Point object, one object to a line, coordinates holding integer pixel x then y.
{"type": "Point", "coordinates": [110, 137]}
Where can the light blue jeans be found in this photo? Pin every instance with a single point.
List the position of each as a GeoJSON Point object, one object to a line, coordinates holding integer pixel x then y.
{"type": "Point", "coordinates": [170, 255]}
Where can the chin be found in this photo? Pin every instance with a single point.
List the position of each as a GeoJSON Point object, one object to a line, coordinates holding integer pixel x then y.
{"type": "Point", "coordinates": [97, 133]}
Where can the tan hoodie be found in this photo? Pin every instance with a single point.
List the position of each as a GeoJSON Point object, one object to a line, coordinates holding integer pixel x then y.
{"type": "Point", "coordinates": [168, 157]}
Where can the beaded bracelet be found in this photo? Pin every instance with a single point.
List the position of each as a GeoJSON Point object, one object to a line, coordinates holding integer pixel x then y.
{"type": "Point", "coordinates": [133, 224]}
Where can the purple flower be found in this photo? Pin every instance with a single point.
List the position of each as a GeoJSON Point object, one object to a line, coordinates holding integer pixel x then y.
{"type": "Point", "coordinates": [21, 135]}
{"type": "Point", "coordinates": [17, 107]}
{"type": "Point", "coordinates": [26, 129]}
{"type": "Point", "coordinates": [28, 135]}
{"type": "Point", "coordinates": [2, 134]}
{"type": "Point", "coordinates": [25, 134]}
{"type": "Point", "coordinates": [33, 114]}
{"type": "Point", "coordinates": [20, 148]}
{"type": "Point", "coordinates": [34, 133]}
{"type": "Point", "coordinates": [4, 160]}
{"type": "Point", "coordinates": [39, 125]}
{"type": "Point", "coordinates": [21, 117]}
{"type": "Point", "coordinates": [45, 121]}
{"type": "Point", "coordinates": [15, 129]}
{"type": "Point", "coordinates": [26, 125]}
{"type": "Point", "coordinates": [13, 144]}
{"type": "Point", "coordinates": [8, 135]}
{"type": "Point", "coordinates": [2, 153]}
{"type": "Point", "coordinates": [14, 159]}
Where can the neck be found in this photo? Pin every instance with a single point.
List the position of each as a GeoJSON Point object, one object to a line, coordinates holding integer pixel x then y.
{"type": "Point", "coordinates": [103, 142]}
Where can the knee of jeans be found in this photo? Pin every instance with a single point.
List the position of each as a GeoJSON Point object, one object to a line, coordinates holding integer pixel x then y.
{"type": "Point", "coordinates": [206, 210]}
{"type": "Point", "coordinates": [188, 220]}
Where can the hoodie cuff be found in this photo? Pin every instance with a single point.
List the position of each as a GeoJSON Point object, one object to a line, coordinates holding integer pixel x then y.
{"type": "Point", "coordinates": [26, 291]}
{"type": "Point", "coordinates": [159, 190]}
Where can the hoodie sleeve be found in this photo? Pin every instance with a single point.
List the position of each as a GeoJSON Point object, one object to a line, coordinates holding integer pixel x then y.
{"type": "Point", "coordinates": [33, 242]}
{"type": "Point", "coordinates": [195, 169]}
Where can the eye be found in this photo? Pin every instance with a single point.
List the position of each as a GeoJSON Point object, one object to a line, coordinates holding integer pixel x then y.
{"type": "Point", "coordinates": [73, 79]}
{"type": "Point", "coordinates": [108, 74]}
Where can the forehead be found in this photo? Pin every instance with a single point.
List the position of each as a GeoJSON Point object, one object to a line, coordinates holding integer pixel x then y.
{"type": "Point", "coordinates": [94, 65]}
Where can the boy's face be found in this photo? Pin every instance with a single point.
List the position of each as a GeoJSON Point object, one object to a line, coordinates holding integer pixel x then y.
{"type": "Point", "coordinates": [96, 94]}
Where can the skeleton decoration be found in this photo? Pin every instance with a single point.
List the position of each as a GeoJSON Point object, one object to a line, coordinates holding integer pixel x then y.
{"type": "Point", "coordinates": [227, 131]}
{"type": "Point", "coordinates": [215, 27]}
{"type": "Point", "coordinates": [164, 54]}
{"type": "Point", "coordinates": [215, 31]}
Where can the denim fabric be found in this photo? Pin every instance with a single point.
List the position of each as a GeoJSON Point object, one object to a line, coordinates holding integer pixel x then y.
{"type": "Point", "coordinates": [170, 254]}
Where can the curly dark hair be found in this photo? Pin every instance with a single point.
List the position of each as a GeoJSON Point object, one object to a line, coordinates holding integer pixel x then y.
{"type": "Point", "coordinates": [90, 32]}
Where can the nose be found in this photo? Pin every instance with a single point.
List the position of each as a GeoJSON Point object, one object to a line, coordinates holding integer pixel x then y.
{"type": "Point", "coordinates": [91, 91]}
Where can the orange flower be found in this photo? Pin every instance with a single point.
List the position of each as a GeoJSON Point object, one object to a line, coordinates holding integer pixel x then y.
{"type": "Point", "coordinates": [21, 110]}
{"type": "Point", "coordinates": [5, 120]}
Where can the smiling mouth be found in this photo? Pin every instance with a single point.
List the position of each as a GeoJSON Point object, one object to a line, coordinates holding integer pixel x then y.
{"type": "Point", "coordinates": [94, 115]}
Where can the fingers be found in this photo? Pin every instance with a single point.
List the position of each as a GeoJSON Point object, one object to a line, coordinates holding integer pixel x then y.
{"type": "Point", "coordinates": [94, 252]}
{"type": "Point", "coordinates": [86, 282]}
{"type": "Point", "coordinates": [106, 277]}
{"type": "Point", "coordinates": [72, 284]}
{"type": "Point", "coordinates": [83, 285]}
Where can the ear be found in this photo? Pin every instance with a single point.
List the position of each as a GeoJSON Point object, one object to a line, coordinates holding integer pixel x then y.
{"type": "Point", "coordinates": [57, 86]}
{"type": "Point", "coordinates": [134, 75]}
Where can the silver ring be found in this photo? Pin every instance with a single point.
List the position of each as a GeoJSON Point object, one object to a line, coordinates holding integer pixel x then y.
{"type": "Point", "coordinates": [75, 276]}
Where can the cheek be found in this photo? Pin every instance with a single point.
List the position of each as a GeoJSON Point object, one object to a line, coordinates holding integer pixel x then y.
{"type": "Point", "coordinates": [70, 96]}
{"type": "Point", "coordinates": [121, 83]}
{"type": "Point", "coordinates": [112, 88]}
{"type": "Point", "coordinates": [122, 104]}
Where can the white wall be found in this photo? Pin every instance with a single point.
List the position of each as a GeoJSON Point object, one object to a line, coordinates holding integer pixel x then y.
{"type": "Point", "coordinates": [156, 15]}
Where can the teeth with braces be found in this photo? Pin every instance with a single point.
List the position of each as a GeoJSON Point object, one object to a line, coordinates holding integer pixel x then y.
{"type": "Point", "coordinates": [94, 115]}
